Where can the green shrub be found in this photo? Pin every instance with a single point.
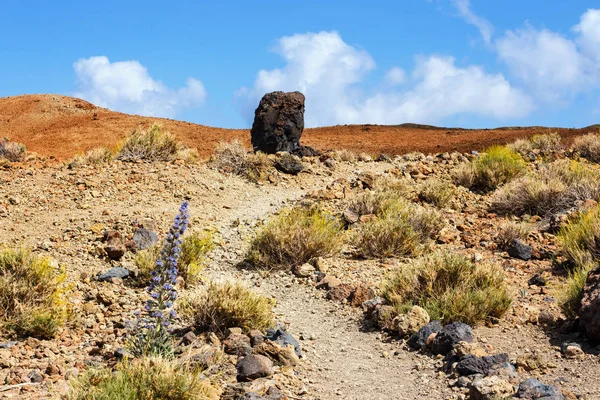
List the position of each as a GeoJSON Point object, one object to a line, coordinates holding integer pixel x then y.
{"type": "Point", "coordinates": [450, 287]}
{"type": "Point", "coordinates": [495, 167]}
{"type": "Point", "coordinates": [12, 151]}
{"type": "Point", "coordinates": [32, 294]}
{"type": "Point", "coordinates": [588, 146]}
{"type": "Point", "coordinates": [194, 250]}
{"type": "Point", "coordinates": [295, 236]}
{"type": "Point", "coordinates": [399, 229]}
{"type": "Point", "coordinates": [219, 306]}
{"type": "Point", "coordinates": [437, 192]}
{"type": "Point", "coordinates": [579, 241]}
{"type": "Point", "coordinates": [554, 187]}
{"type": "Point", "coordinates": [144, 379]}
{"type": "Point", "coordinates": [150, 145]}
{"type": "Point", "coordinates": [544, 143]}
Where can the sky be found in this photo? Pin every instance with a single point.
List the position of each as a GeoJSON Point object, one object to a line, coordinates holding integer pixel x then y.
{"type": "Point", "coordinates": [474, 64]}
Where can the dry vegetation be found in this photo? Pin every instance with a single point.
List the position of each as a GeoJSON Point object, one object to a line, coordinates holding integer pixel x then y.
{"type": "Point", "coordinates": [12, 151]}
{"type": "Point", "coordinates": [497, 166]}
{"type": "Point", "coordinates": [450, 287]}
{"type": "Point", "coordinates": [32, 294]}
{"type": "Point", "coordinates": [219, 306]}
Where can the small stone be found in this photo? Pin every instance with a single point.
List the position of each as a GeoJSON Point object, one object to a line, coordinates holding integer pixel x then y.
{"type": "Point", "coordinates": [115, 272]}
{"type": "Point", "coordinates": [520, 250]}
{"type": "Point", "coordinates": [256, 337]}
{"type": "Point", "coordinates": [532, 362]}
{"type": "Point", "coordinates": [534, 389]}
{"type": "Point", "coordinates": [450, 335]}
{"type": "Point", "coordinates": [572, 350]}
{"type": "Point", "coordinates": [71, 373]}
{"type": "Point", "coordinates": [233, 331]}
{"type": "Point", "coordinates": [281, 355]}
{"type": "Point", "coordinates": [471, 365]}
{"type": "Point", "coordinates": [252, 367]}
{"type": "Point", "coordinates": [546, 318]}
{"type": "Point", "coordinates": [350, 216]}
{"type": "Point", "coordinates": [537, 280]}
{"type": "Point", "coordinates": [340, 292]}
{"type": "Point", "coordinates": [360, 295]}
{"type": "Point", "coordinates": [419, 339]}
{"type": "Point", "coordinates": [410, 323]}
{"type": "Point", "coordinates": [189, 338]}
{"type": "Point", "coordinates": [121, 353]}
{"type": "Point", "coordinates": [463, 349]}
{"type": "Point", "coordinates": [237, 344]}
{"type": "Point", "coordinates": [8, 345]}
{"type": "Point", "coordinates": [491, 388]}
{"type": "Point", "coordinates": [144, 238]}
{"type": "Point", "coordinates": [35, 376]}
{"type": "Point", "coordinates": [283, 338]}
{"type": "Point", "coordinates": [329, 282]}
{"type": "Point", "coordinates": [304, 271]}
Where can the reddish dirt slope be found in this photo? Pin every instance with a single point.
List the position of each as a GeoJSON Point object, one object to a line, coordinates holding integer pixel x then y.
{"type": "Point", "coordinates": [61, 126]}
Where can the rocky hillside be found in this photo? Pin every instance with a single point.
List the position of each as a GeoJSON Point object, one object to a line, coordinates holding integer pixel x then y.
{"type": "Point", "coordinates": [60, 126]}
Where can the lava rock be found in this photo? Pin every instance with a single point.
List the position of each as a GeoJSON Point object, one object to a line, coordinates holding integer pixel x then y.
{"type": "Point", "coordinates": [471, 364]}
{"type": "Point", "coordinates": [520, 250]}
{"type": "Point", "coordinates": [340, 292]}
{"type": "Point", "coordinates": [450, 335]}
{"type": "Point", "coordinates": [589, 313]}
{"type": "Point", "coordinates": [115, 272]}
{"type": "Point", "coordinates": [537, 280]}
{"type": "Point", "coordinates": [256, 337]}
{"type": "Point", "coordinates": [253, 367]}
{"type": "Point", "coordinates": [282, 338]}
{"type": "Point", "coordinates": [278, 122]}
{"type": "Point", "coordinates": [419, 339]}
{"type": "Point", "coordinates": [237, 344]}
{"type": "Point", "coordinates": [412, 321]}
{"type": "Point", "coordinates": [289, 164]}
{"type": "Point", "coordinates": [533, 389]}
{"type": "Point", "coordinates": [144, 238]}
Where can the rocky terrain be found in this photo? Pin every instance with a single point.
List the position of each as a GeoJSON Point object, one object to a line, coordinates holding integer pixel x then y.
{"type": "Point", "coordinates": [63, 212]}
{"type": "Point", "coordinates": [333, 336]}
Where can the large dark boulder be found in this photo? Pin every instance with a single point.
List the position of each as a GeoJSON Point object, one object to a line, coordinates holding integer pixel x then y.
{"type": "Point", "coordinates": [418, 340]}
{"type": "Point", "coordinates": [278, 123]}
{"type": "Point", "coordinates": [533, 389]}
{"type": "Point", "coordinates": [471, 364]}
{"type": "Point", "coordinates": [589, 313]}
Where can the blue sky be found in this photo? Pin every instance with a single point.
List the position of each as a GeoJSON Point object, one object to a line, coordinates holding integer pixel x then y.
{"type": "Point", "coordinates": [446, 62]}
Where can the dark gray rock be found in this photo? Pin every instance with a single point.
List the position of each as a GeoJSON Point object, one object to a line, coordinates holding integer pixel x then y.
{"type": "Point", "coordinates": [470, 364]}
{"type": "Point", "coordinates": [565, 345]}
{"type": "Point", "coordinates": [253, 367]}
{"type": "Point", "coordinates": [189, 338]}
{"type": "Point", "coordinates": [114, 247]}
{"type": "Point", "coordinates": [8, 345]}
{"type": "Point", "coordinates": [537, 280]}
{"type": "Point", "coordinates": [289, 164]}
{"type": "Point", "coordinates": [533, 389]}
{"type": "Point", "coordinates": [278, 123]}
{"type": "Point", "coordinates": [144, 238]}
{"type": "Point", "coordinates": [417, 341]}
{"type": "Point", "coordinates": [121, 353]}
{"type": "Point", "coordinates": [282, 338]}
{"type": "Point", "coordinates": [450, 335]}
{"type": "Point", "coordinates": [115, 272]}
{"type": "Point", "coordinates": [520, 250]}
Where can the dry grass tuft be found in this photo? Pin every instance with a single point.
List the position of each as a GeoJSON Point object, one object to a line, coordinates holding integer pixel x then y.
{"type": "Point", "coordinates": [232, 158]}
{"type": "Point", "coordinates": [399, 229]}
{"type": "Point", "coordinates": [12, 151]}
{"type": "Point", "coordinates": [510, 231]}
{"type": "Point", "coordinates": [294, 237]}
{"type": "Point", "coordinates": [32, 294]}
{"type": "Point", "coordinates": [151, 145]}
{"type": "Point", "coordinates": [554, 187]}
{"type": "Point", "coordinates": [219, 306]}
{"type": "Point", "coordinates": [437, 192]}
{"type": "Point", "coordinates": [144, 379]}
{"type": "Point", "coordinates": [588, 146]}
{"type": "Point", "coordinates": [450, 287]}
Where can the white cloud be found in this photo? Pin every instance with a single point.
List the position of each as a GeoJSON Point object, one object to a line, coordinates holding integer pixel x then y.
{"type": "Point", "coordinates": [396, 76]}
{"type": "Point", "coordinates": [329, 72]}
{"type": "Point", "coordinates": [553, 65]}
{"type": "Point", "coordinates": [485, 27]}
{"type": "Point", "coordinates": [127, 86]}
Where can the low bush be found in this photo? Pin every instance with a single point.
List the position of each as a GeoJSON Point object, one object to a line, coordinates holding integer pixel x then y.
{"type": "Point", "coordinates": [152, 144]}
{"type": "Point", "coordinates": [219, 306]}
{"type": "Point", "coordinates": [400, 228]}
{"type": "Point", "coordinates": [32, 294]}
{"type": "Point", "coordinates": [144, 379]}
{"type": "Point", "coordinates": [450, 287]}
{"type": "Point", "coordinates": [233, 158]}
{"type": "Point", "coordinates": [194, 250]}
{"type": "Point", "coordinates": [96, 156]}
{"type": "Point", "coordinates": [588, 146]}
{"type": "Point", "coordinates": [543, 143]}
{"type": "Point", "coordinates": [295, 236]}
{"type": "Point", "coordinates": [344, 155]}
{"type": "Point", "coordinates": [497, 166]}
{"type": "Point", "coordinates": [12, 151]}
{"type": "Point", "coordinates": [579, 241]}
{"type": "Point", "coordinates": [553, 188]}
{"type": "Point", "coordinates": [437, 192]}
{"type": "Point", "coordinates": [510, 231]}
